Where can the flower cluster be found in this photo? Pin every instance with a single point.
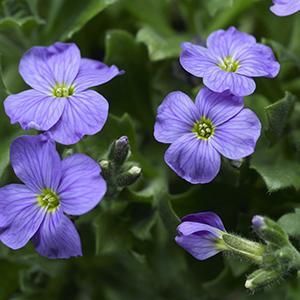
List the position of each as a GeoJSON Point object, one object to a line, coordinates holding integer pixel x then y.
{"type": "Point", "coordinates": [60, 104]}
{"type": "Point", "coordinates": [217, 123]}
{"type": "Point", "coordinates": [285, 7]}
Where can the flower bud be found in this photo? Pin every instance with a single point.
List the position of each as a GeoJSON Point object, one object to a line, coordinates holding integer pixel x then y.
{"type": "Point", "coordinates": [129, 177]}
{"type": "Point", "coordinates": [270, 231]}
{"type": "Point", "coordinates": [261, 278]}
{"type": "Point", "coordinates": [120, 150]}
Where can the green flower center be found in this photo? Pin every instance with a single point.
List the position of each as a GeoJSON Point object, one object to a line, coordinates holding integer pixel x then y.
{"type": "Point", "coordinates": [61, 90]}
{"type": "Point", "coordinates": [48, 200]}
{"type": "Point", "coordinates": [204, 128]}
{"type": "Point", "coordinates": [228, 64]}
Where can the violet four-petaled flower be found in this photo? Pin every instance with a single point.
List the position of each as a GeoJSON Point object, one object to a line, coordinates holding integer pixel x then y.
{"type": "Point", "coordinates": [199, 234]}
{"type": "Point", "coordinates": [199, 133]}
{"type": "Point", "coordinates": [284, 8]}
{"type": "Point", "coordinates": [60, 101]}
{"type": "Point", "coordinates": [37, 210]}
{"type": "Point", "coordinates": [229, 61]}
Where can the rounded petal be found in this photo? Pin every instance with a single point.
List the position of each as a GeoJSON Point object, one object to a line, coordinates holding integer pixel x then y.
{"type": "Point", "coordinates": [84, 113]}
{"type": "Point", "coordinates": [196, 59]}
{"type": "Point", "coordinates": [205, 217]}
{"type": "Point", "coordinates": [32, 109]}
{"type": "Point", "coordinates": [193, 159]}
{"type": "Point", "coordinates": [258, 60]}
{"type": "Point", "coordinates": [20, 216]}
{"type": "Point", "coordinates": [92, 73]}
{"type": "Point", "coordinates": [175, 117]}
{"type": "Point", "coordinates": [82, 187]}
{"type": "Point", "coordinates": [237, 138]}
{"type": "Point", "coordinates": [57, 237]}
{"type": "Point", "coordinates": [43, 67]}
{"type": "Point", "coordinates": [36, 162]}
{"type": "Point", "coordinates": [218, 107]}
{"type": "Point", "coordinates": [187, 228]}
{"type": "Point", "coordinates": [201, 245]}
{"type": "Point", "coordinates": [219, 81]}
{"type": "Point", "coordinates": [285, 8]}
{"type": "Point", "coordinates": [230, 42]}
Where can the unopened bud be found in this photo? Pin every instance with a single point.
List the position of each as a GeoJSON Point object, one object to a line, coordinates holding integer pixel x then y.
{"type": "Point", "coordinates": [120, 150]}
{"type": "Point", "coordinates": [261, 278]}
{"type": "Point", "coordinates": [105, 167]}
{"type": "Point", "coordinates": [129, 177]}
{"type": "Point", "coordinates": [270, 231]}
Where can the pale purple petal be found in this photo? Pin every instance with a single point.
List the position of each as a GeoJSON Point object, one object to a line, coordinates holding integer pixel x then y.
{"type": "Point", "coordinates": [43, 67]}
{"type": "Point", "coordinates": [187, 228]}
{"type": "Point", "coordinates": [237, 138]}
{"type": "Point", "coordinates": [224, 43]}
{"type": "Point", "coordinates": [284, 8]}
{"type": "Point", "coordinates": [82, 187]}
{"type": "Point", "coordinates": [218, 107]}
{"type": "Point", "coordinates": [201, 245]}
{"type": "Point", "coordinates": [20, 216]}
{"type": "Point", "coordinates": [219, 81]}
{"type": "Point", "coordinates": [57, 237]}
{"type": "Point", "coordinates": [193, 159]}
{"type": "Point", "coordinates": [257, 61]}
{"type": "Point", "coordinates": [84, 114]}
{"type": "Point", "coordinates": [196, 59]}
{"type": "Point", "coordinates": [92, 73]}
{"type": "Point", "coordinates": [36, 162]}
{"type": "Point", "coordinates": [175, 117]}
{"type": "Point", "coordinates": [207, 217]}
{"type": "Point", "coordinates": [32, 109]}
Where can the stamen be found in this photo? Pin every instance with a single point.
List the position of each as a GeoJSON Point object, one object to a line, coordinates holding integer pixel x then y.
{"type": "Point", "coordinates": [48, 200]}
{"type": "Point", "coordinates": [61, 90]}
{"type": "Point", "coordinates": [228, 64]}
{"type": "Point", "coordinates": [204, 128]}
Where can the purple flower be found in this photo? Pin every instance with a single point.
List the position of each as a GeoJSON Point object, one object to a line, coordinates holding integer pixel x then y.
{"type": "Point", "coordinates": [200, 132]}
{"type": "Point", "coordinates": [60, 101]}
{"type": "Point", "coordinates": [284, 8]}
{"type": "Point", "coordinates": [199, 234]}
{"type": "Point", "coordinates": [37, 210]}
{"type": "Point", "coordinates": [229, 61]}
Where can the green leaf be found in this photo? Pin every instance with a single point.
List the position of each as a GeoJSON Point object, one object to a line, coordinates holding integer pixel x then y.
{"type": "Point", "coordinates": [291, 223]}
{"type": "Point", "coordinates": [65, 18]}
{"type": "Point", "coordinates": [160, 46]}
{"type": "Point", "coordinates": [3, 89]}
{"type": "Point", "coordinates": [131, 91]}
{"type": "Point", "coordinates": [278, 114]}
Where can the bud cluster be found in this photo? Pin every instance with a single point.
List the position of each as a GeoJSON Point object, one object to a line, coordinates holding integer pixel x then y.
{"type": "Point", "coordinates": [116, 169]}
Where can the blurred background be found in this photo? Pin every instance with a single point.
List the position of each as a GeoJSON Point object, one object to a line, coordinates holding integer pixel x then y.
{"type": "Point", "coordinates": [128, 240]}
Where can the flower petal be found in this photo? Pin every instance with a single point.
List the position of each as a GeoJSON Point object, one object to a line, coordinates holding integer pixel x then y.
{"type": "Point", "coordinates": [57, 237]}
{"type": "Point", "coordinates": [258, 60]}
{"type": "Point", "coordinates": [32, 109]}
{"type": "Point", "coordinates": [193, 159]}
{"type": "Point", "coordinates": [206, 217]}
{"type": "Point", "coordinates": [187, 228]}
{"type": "Point", "coordinates": [237, 138]}
{"type": "Point", "coordinates": [175, 117]}
{"type": "Point", "coordinates": [82, 187]}
{"type": "Point", "coordinates": [218, 107]}
{"type": "Point", "coordinates": [43, 67]}
{"type": "Point", "coordinates": [285, 8]}
{"type": "Point", "coordinates": [20, 216]}
{"type": "Point", "coordinates": [92, 73]}
{"type": "Point", "coordinates": [196, 59]}
{"type": "Point", "coordinates": [219, 81]}
{"type": "Point", "coordinates": [201, 245]}
{"type": "Point", "coordinates": [85, 113]}
{"type": "Point", "coordinates": [224, 43]}
{"type": "Point", "coordinates": [36, 162]}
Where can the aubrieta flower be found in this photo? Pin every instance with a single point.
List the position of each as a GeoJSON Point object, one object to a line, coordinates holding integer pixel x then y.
{"type": "Point", "coordinates": [229, 61]}
{"type": "Point", "coordinates": [200, 233]}
{"type": "Point", "coordinates": [37, 210]}
{"type": "Point", "coordinates": [284, 8]}
{"type": "Point", "coordinates": [199, 133]}
{"type": "Point", "coordinates": [60, 101]}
